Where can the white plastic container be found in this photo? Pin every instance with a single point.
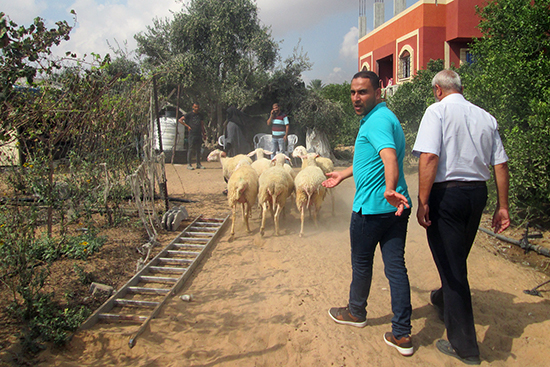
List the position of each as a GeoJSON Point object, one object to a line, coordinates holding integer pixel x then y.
{"type": "Point", "coordinates": [168, 126]}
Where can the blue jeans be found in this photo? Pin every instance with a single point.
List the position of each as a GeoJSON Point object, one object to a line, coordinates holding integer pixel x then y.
{"type": "Point", "coordinates": [278, 146]}
{"type": "Point", "coordinates": [366, 231]}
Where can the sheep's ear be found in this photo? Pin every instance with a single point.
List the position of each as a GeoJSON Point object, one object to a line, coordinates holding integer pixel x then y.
{"type": "Point", "coordinates": [223, 154]}
{"type": "Point", "coordinates": [251, 153]}
{"type": "Point", "coordinates": [268, 152]}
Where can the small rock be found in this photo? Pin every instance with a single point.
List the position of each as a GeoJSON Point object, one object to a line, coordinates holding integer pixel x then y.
{"type": "Point", "coordinates": [97, 288]}
{"type": "Point", "coordinates": [187, 297]}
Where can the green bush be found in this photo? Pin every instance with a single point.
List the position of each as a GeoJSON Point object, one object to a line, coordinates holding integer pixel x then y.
{"type": "Point", "coordinates": [411, 100]}
{"type": "Point", "coordinates": [84, 277]}
{"type": "Point", "coordinates": [348, 125]}
{"type": "Point", "coordinates": [80, 247]}
{"type": "Point", "coordinates": [528, 150]}
{"type": "Point", "coordinates": [49, 322]}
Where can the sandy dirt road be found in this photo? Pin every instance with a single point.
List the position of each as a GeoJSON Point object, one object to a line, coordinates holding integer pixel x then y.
{"type": "Point", "coordinates": [264, 301]}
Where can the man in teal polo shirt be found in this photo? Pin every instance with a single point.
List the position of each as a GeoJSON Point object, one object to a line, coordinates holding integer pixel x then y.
{"type": "Point", "coordinates": [380, 188]}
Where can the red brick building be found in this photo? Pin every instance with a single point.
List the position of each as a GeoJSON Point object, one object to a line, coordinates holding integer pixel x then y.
{"type": "Point", "coordinates": [427, 30]}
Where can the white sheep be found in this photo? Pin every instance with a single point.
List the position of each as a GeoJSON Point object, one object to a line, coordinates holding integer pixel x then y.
{"type": "Point", "coordinates": [290, 170]}
{"type": "Point", "coordinates": [310, 192]}
{"type": "Point", "coordinates": [325, 164]}
{"type": "Point", "coordinates": [299, 151]}
{"type": "Point", "coordinates": [242, 188]}
{"type": "Point", "coordinates": [261, 163]}
{"type": "Point", "coordinates": [276, 185]}
{"type": "Point", "coordinates": [228, 164]}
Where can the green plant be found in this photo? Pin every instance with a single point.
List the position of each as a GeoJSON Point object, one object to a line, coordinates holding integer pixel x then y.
{"type": "Point", "coordinates": [49, 322]}
{"type": "Point", "coordinates": [411, 100]}
{"type": "Point", "coordinates": [82, 246]}
{"type": "Point", "coordinates": [218, 51]}
{"type": "Point", "coordinates": [509, 79]}
{"type": "Point", "coordinates": [83, 276]}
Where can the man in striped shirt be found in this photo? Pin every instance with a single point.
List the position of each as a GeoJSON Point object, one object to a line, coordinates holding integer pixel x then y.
{"type": "Point", "coordinates": [279, 129]}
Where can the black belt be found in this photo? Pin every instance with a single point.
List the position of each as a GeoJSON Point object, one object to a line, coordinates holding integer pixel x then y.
{"type": "Point", "coordinates": [450, 184]}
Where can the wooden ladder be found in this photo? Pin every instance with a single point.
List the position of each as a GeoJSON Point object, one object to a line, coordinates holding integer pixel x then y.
{"type": "Point", "coordinates": [161, 278]}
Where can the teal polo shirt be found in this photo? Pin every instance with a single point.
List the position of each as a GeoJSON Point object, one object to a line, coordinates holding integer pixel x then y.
{"type": "Point", "coordinates": [379, 129]}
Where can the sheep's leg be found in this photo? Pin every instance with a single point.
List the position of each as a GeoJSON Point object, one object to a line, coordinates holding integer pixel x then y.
{"type": "Point", "coordinates": [246, 212]}
{"type": "Point", "coordinates": [315, 212]}
{"type": "Point", "coordinates": [249, 211]}
{"type": "Point", "coordinates": [302, 215]}
{"type": "Point", "coordinates": [234, 210]}
{"type": "Point", "coordinates": [243, 210]}
{"type": "Point", "coordinates": [264, 214]}
{"type": "Point", "coordinates": [276, 218]}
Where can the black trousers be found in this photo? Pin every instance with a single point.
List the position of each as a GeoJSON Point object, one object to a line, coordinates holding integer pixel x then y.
{"type": "Point", "coordinates": [195, 145]}
{"type": "Point", "coordinates": [455, 214]}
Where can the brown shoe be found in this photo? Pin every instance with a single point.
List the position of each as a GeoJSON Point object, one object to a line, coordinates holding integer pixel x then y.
{"type": "Point", "coordinates": [342, 315]}
{"type": "Point", "coordinates": [403, 345]}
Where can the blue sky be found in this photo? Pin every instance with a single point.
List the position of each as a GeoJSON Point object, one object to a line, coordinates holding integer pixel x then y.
{"type": "Point", "coordinates": [326, 29]}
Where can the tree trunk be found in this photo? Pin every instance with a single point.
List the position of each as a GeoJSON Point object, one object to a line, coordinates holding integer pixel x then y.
{"type": "Point", "coordinates": [220, 119]}
{"type": "Point", "coordinates": [317, 141]}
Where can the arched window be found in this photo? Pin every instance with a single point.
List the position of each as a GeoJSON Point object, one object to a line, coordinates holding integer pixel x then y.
{"type": "Point", "coordinates": [365, 66]}
{"type": "Point", "coordinates": [405, 65]}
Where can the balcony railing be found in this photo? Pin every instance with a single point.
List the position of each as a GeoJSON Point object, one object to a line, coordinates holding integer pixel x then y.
{"type": "Point", "coordinates": [389, 90]}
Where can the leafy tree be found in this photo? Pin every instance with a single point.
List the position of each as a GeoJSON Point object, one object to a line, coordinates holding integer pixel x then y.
{"type": "Point", "coordinates": [348, 126]}
{"type": "Point", "coordinates": [285, 85]}
{"type": "Point", "coordinates": [65, 109]}
{"type": "Point", "coordinates": [24, 51]}
{"type": "Point", "coordinates": [411, 100]}
{"type": "Point", "coordinates": [512, 60]}
{"type": "Point", "coordinates": [509, 78]}
{"type": "Point", "coordinates": [217, 50]}
{"type": "Point", "coordinates": [123, 67]}
{"type": "Point", "coordinates": [320, 114]}
{"type": "Point", "coordinates": [316, 85]}
{"type": "Point", "coordinates": [339, 93]}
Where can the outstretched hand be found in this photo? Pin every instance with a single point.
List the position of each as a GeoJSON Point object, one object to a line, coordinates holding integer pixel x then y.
{"type": "Point", "coordinates": [398, 200]}
{"type": "Point", "coordinates": [334, 178]}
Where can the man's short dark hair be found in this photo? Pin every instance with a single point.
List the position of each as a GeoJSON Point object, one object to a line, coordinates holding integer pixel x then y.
{"type": "Point", "coordinates": [374, 79]}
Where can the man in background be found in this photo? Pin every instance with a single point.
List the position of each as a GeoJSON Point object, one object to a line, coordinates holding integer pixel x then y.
{"type": "Point", "coordinates": [195, 126]}
{"type": "Point", "coordinates": [279, 129]}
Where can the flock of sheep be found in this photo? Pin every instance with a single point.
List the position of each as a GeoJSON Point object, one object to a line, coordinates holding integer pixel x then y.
{"type": "Point", "coordinates": [271, 182]}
